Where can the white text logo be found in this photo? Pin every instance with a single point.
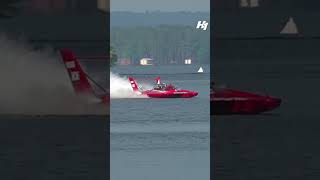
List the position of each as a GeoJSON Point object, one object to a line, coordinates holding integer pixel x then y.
{"type": "Point", "coordinates": [203, 25]}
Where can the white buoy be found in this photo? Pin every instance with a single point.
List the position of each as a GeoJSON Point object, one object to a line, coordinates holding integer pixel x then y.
{"type": "Point", "coordinates": [200, 70]}
{"type": "Point", "coordinates": [290, 27]}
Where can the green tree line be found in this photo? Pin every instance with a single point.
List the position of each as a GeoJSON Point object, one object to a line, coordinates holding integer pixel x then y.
{"type": "Point", "coordinates": [164, 43]}
{"type": "Point", "coordinates": [113, 56]}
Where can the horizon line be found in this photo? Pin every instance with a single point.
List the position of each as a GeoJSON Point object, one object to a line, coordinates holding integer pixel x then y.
{"type": "Point", "coordinates": [158, 11]}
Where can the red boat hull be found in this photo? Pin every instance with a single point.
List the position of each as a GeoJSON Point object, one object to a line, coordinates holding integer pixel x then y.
{"type": "Point", "coordinates": [249, 106]}
{"type": "Point", "coordinates": [171, 94]}
{"type": "Point", "coordinates": [230, 101]}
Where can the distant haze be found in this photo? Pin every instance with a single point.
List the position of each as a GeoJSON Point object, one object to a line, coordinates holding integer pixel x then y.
{"type": "Point", "coordinates": [160, 5]}
{"type": "Point", "coordinates": [156, 18]}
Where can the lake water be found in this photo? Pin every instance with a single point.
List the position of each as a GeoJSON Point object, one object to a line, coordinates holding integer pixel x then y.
{"type": "Point", "coordinates": [162, 138]}
{"type": "Point", "coordinates": [282, 144]}
{"type": "Point", "coordinates": [53, 147]}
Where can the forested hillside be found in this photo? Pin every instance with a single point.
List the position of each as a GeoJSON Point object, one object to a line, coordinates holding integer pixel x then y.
{"type": "Point", "coordinates": [164, 43]}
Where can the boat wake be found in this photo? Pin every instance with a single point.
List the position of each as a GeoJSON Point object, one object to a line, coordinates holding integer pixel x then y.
{"type": "Point", "coordinates": [121, 88]}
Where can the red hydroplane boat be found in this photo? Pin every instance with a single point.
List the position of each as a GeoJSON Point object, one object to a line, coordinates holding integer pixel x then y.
{"type": "Point", "coordinates": [161, 90]}
{"type": "Point", "coordinates": [230, 101]}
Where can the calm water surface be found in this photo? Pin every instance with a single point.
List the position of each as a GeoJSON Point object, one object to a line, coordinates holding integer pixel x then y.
{"type": "Point", "coordinates": [282, 144]}
{"type": "Point", "coordinates": [162, 138]}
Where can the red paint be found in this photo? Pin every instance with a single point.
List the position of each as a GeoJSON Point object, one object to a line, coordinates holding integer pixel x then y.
{"type": "Point", "coordinates": [230, 101]}
{"type": "Point", "coordinates": [162, 91]}
{"type": "Point", "coordinates": [78, 77]}
{"type": "Point", "coordinates": [105, 99]}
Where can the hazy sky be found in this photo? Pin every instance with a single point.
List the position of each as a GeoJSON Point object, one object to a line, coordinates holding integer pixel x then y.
{"type": "Point", "coordinates": [162, 5]}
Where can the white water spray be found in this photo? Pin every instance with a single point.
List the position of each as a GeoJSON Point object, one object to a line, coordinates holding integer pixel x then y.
{"type": "Point", "coordinates": [36, 83]}
{"type": "Point", "coordinates": [120, 87]}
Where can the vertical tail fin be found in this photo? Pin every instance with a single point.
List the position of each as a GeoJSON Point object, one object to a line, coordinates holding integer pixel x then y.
{"type": "Point", "coordinates": [158, 81]}
{"type": "Point", "coordinates": [133, 84]}
{"type": "Point", "coordinates": [78, 77]}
